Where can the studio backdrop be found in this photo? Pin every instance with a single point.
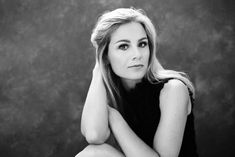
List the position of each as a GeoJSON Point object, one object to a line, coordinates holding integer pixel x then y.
{"type": "Point", "coordinates": [46, 62]}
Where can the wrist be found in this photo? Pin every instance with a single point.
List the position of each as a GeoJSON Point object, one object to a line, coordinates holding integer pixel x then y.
{"type": "Point", "coordinates": [96, 74]}
{"type": "Point", "coordinates": [96, 69]}
{"type": "Point", "coordinates": [115, 117]}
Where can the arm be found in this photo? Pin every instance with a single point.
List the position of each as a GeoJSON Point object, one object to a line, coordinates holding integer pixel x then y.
{"type": "Point", "coordinates": [175, 105]}
{"type": "Point", "coordinates": [131, 144]}
{"type": "Point", "coordinates": [94, 121]}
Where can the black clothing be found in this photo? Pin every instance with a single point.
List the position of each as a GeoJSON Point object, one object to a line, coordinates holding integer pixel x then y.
{"type": "Point", "coordinates": [142, 113]}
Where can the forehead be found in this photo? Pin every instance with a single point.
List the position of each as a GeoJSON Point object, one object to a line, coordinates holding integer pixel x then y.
{"type": "Point", "coordinates": [128, 31]}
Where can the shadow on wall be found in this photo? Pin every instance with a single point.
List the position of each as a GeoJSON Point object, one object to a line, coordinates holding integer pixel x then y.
{"type": "Point", "coordinates": [45, 69]}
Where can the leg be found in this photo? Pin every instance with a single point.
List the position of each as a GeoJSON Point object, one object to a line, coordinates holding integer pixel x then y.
{"type": "Point", "coordinates": [103, 150]}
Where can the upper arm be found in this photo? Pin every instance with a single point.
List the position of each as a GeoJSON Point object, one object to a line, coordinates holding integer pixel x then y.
{"type": "Point", "coordinates": [174, 105]}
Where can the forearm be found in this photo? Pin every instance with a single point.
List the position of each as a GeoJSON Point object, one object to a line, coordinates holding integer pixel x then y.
{"type": "Point", "coordinates": [94, 122]}
{"type": "Point", "coordinates": [131, 144]}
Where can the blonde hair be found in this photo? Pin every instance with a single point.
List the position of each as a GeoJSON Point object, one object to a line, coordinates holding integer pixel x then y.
{"type": "Point", "coordinates": [100, 38]}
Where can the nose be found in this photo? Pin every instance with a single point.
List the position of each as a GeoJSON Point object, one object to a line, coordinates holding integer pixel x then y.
{"type": "Point", "coordinates": [136, 54]}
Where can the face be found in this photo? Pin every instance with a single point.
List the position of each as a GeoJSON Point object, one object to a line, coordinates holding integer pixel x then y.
{"type": "Point", "coordinates": [129, 53]}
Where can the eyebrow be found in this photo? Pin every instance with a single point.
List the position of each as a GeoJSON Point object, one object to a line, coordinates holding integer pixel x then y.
{"type": "Point", "coordinates": [143, 38]}
{"type": "Point", "coordinates": [123, 40]}
{"type": "Point", "coordinates": [128, 41]}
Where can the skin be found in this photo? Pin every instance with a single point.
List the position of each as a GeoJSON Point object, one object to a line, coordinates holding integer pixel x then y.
{"type": "Point", "coordinates": [129, 53]}
{"type": "Point", "coordinates": [95, 128]}
{"type": "Point", "coordinates": [127, 48]}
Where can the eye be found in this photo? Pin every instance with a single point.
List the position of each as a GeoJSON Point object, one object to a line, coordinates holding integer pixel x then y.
{"type": "Point", "coordinates": [143, 44]}
{"type": "Point", "coordinates": [123, 46]}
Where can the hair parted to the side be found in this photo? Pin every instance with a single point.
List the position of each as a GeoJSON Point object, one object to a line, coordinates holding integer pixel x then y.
{"type": "Point", "coordinates": [100, 38]}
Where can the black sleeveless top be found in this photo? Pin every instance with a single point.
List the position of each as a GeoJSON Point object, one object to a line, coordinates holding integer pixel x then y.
{"type": "Point", "coordinates": [140, 108]}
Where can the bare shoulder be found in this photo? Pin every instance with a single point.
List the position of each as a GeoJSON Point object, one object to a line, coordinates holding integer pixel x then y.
{"type": "Point", "coordinates": [175, 93]}
{"type": "Point", "coordinates": [176, 87]}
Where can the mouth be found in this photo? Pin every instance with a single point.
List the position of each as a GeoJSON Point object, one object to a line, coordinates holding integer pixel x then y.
{"type": "Point", "coordinates": [136, 66]}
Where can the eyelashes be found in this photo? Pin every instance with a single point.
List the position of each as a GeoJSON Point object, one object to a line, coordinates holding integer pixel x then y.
{"type": "Point", "coordinates": [143, 44]}
{"type": "Point", "coordinates": [125, 46]}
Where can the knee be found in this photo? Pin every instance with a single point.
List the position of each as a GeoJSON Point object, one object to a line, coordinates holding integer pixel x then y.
{"type": "Point", "coordinates": [103, 150]}
{"type": "Point", "coordinates": [89, 151]}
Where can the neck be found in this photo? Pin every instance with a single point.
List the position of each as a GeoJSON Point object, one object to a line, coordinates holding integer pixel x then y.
{"type": "Point", "coordinates": [129, 84]}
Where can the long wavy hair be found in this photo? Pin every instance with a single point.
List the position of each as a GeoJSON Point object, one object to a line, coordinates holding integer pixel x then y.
{"type": "Point", "coordinates": [109, 22]}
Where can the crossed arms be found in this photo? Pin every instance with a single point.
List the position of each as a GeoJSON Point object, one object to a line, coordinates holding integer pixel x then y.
{"type": "Point", "coordinates": [98, 119]}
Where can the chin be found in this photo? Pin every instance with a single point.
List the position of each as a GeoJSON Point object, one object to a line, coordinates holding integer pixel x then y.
{"type": "Point", "coordinates": [136, 76]}
{"type": "Point", "coordinates": [132, 75]}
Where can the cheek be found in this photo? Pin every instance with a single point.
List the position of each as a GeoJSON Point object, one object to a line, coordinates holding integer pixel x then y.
{"type": "Point", "coordinates": [113, 61]}
{"type": "Point", "coordinates": [115, 64]}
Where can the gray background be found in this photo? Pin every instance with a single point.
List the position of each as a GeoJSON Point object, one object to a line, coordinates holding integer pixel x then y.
{"type": "Point", "coordinates": [46, 60]}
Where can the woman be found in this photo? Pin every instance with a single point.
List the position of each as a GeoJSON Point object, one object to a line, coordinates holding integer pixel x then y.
{"type": "Point", "coordinates": [148, 109]}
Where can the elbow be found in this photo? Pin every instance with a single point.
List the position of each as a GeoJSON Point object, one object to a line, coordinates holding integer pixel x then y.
{"type": "Point", "coordinates": [94, 137]}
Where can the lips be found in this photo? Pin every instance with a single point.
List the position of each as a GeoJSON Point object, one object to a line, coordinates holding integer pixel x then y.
{"type": "Point", "coordinates": [136, 66]}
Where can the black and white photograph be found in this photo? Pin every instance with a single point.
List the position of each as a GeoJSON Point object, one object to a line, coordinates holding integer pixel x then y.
{"type": "Point", "coordinates": [117, 78]}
